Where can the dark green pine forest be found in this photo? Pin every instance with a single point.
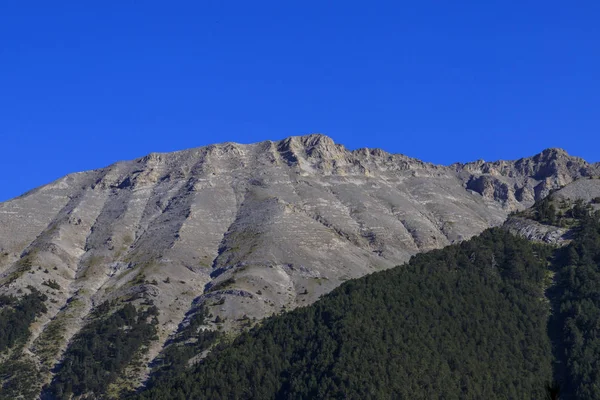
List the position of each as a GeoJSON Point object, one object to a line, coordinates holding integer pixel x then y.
{"type": "Point", "coordinates": [575, 324]}
{"type": "Point", "coordinates": [495, 317]}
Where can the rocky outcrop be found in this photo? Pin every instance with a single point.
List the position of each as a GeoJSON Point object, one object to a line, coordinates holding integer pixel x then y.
{"type": "Point", "coordinates": [537, 232]}
{"type": "Point", "coordinates": [519, 182]}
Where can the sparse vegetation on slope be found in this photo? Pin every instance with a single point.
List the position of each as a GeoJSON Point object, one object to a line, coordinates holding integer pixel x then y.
{"type": "Point", "coordinates": [564, 213]}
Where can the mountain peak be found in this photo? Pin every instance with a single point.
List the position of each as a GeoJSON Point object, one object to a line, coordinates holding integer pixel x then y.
{"type": "Point", "coordinates": [554, 152]}
{"type": "Point", "coordinates": [315, 138]}
{"type": "Point", "coordinates": [313, 146]}
{"type": "Point", "coordinates": [310, 141]}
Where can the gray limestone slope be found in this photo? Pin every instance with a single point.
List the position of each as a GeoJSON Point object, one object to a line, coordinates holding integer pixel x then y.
{"type": "Point", "coordinates": [247, 230]}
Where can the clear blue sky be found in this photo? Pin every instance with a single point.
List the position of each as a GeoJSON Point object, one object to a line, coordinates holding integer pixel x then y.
{"type": "Point", "coordinates": [84, 84]}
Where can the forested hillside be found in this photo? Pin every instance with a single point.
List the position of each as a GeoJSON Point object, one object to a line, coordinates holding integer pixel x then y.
{"type": "Point", "coordinates": [468, 321]}
{"type": "Point", "coordinates": [577, 310]}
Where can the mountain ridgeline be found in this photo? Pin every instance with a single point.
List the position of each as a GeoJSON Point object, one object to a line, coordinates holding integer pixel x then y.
{"type": "Point", "coordinates": [136, 279]}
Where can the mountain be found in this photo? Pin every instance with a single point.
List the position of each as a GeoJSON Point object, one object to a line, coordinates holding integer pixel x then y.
{"type": "Point", "coordinates": [495, 317]}
{"type": "Point", "coordinates": [237, 233]}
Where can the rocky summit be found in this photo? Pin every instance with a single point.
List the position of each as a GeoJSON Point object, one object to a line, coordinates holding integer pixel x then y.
{"type": "Point", "coordinates": [245, 230]}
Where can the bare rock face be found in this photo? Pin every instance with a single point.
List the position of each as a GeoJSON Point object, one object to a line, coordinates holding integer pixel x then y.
{"type": "Point", "coordinates": [587, 190]}
{"type": "Point", "coordinates": [514, 183]}
{"type": "Point", "coordinates": [247, 230]}
{"type": "Point", "coordinates": [536, 232]}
